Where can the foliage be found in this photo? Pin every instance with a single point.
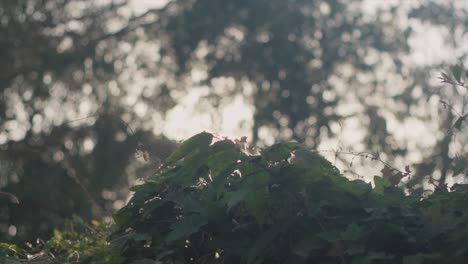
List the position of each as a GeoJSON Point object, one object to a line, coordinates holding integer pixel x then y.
{"type": "Point", "coordinates": [293, 61]}
{"type": "Point", "coordinates": [77, 243]}
{"type": "Point", "coordinates": [451, 164]}
{"type": "Point", "coordinates": [60, 60]}
{"type": "Point", "coordinates": [215, 203]}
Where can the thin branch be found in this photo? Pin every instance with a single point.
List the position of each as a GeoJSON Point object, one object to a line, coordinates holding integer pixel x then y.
{"type": "Point", "coordinates": [366, 155]}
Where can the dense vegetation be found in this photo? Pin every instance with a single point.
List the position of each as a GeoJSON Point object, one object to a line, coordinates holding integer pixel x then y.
{"type": "Point", "coordinates": [84, 83]}
{"type": "Point", "coordinates": [88, 85]}
{"type": "Point", "coordinates": [216, 200]}
{"type": "Point", "coordinates": [218, 204]}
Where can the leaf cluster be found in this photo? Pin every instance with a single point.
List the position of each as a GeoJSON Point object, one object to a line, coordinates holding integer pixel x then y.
{"type": "Point", "coordinates": [77, 242]}
{"type": "Point", "coordinates": [212, 202]}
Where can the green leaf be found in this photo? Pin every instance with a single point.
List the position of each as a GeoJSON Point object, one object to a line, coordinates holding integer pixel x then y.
{"type": "Point", "coordinates": [236, 197]}
{"type": "Point", "coordinates": [122, 241]}
{"type": "Point", "coordinates": [125, 217]}
{"type": "Point", "coordinates": [10, 250]}
{"type": "Point", "coordinates": [256, 179]}
{"type": "Point", "coordinates": [462, 188]}
{"type": "Point", "coordinates": [257, 203]}
{"type": "Point", "coordinates": [185, 227]}
{"type": "Point", "coordinates": [279, 152]}
{"type": "Point", "coordinates": [221, 161]}
{"type": "Point", "coordinates": [310, 159]}
{"type": "Point", "coordinates": [143, 192]}
{"type": "Point", "coordinates": [380, 184]}
{"type": "Point", "coordinates": [193, 168]}
{"type": "Point", "coordinates": [457, 72]}
{"type": "Point", "coordinates": [354, 188]}
{"type": "Point", "coordinates": [197, 142]}
{"type": "Point", "coordinates": [353, 232]}
{"type": "Point", "coordinates": [150, 207]}
{"type": "Point", "coordinates": [254, 176]}
{"type": "Point", "coordinates": [222, 145]}
{"type": "Point", "coordinates": [265, 241]}
{"type": "Point", "coordinates": [314, 163]}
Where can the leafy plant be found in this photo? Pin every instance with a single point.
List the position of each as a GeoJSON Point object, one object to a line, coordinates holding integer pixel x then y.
{"type": "Point", "coordinates": [78, 242]}
{"type": "Point", "coordinates": [214, 203]}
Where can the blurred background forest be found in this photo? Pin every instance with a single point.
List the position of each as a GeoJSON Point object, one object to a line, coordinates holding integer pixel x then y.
{"type": "Point", "coordinates": [95, 94]}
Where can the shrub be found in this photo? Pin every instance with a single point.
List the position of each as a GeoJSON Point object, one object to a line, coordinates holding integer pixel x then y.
{"type": "Point", "coordinates": [213, 202]}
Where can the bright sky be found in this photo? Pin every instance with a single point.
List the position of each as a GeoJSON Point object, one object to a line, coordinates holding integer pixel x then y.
{"type": "Point", "coordinates": [185, 120]}
{"type": "Point", "coordinates": [239, 111]}
{"type": "Point", "coordinates": [429, 47]}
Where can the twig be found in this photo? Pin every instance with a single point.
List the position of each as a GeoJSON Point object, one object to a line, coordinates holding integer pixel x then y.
{"type": "Point", "coordinates": [366, 155]}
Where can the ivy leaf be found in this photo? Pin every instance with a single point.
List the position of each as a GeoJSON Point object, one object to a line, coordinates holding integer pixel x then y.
{"type": "Point", "coordinates": [185, 227]}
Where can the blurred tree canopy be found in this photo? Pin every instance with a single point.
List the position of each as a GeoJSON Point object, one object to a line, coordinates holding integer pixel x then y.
{"type": "Point", "coordinates": [451, 143]}
{"type": "Point", "coordinates": [296, 62]}
{"type": "Point", "coordinates": [286, 50]}
{"type": "Point", "coordinates": [57, 62]}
